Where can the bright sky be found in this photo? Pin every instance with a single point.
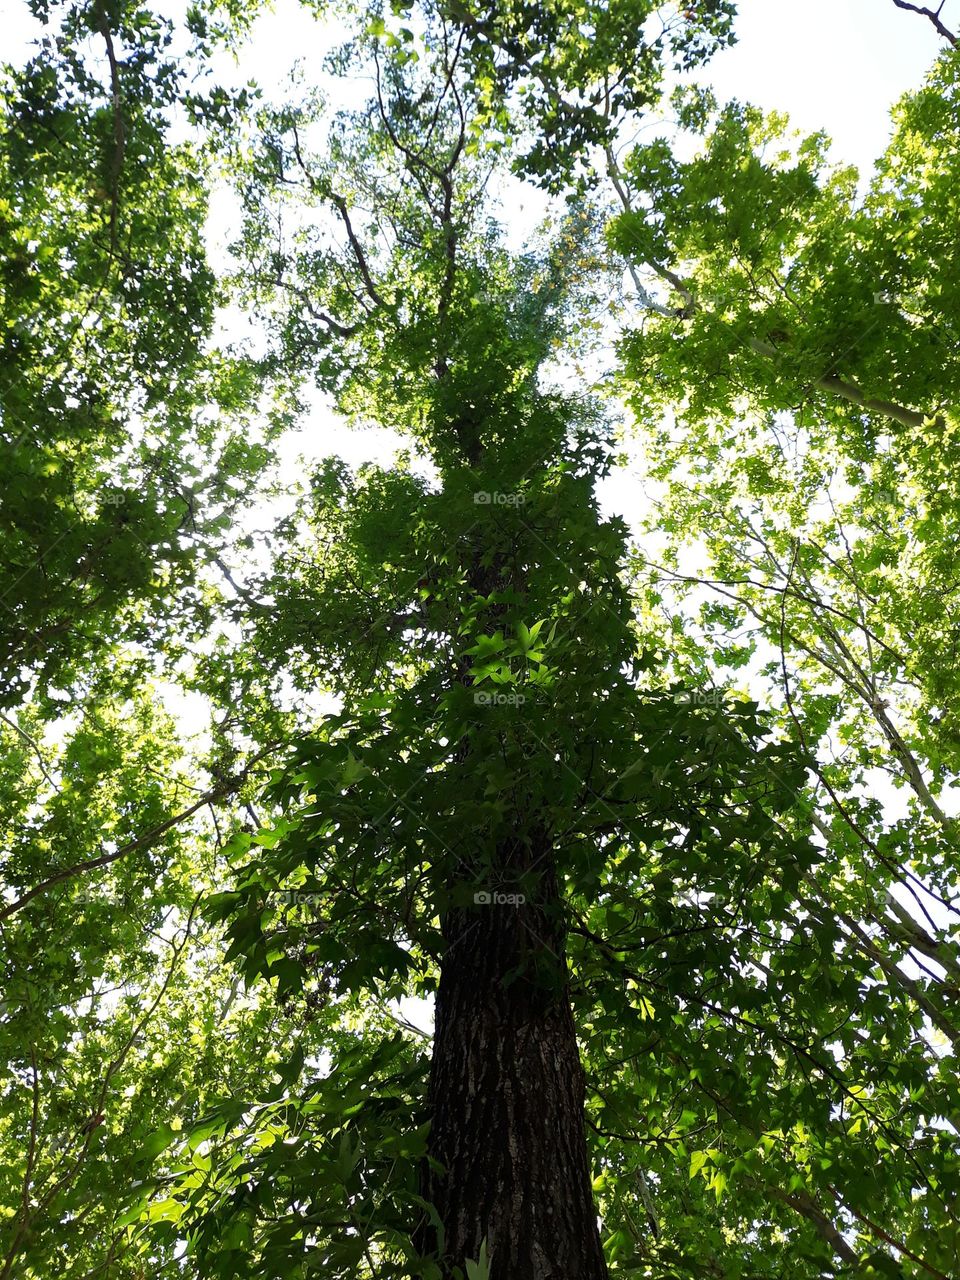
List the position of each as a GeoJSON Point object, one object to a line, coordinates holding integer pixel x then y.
{"type": "Point", "coordinates": [830, 64]}
{"type": "Point", "coordinates": [836, 65]}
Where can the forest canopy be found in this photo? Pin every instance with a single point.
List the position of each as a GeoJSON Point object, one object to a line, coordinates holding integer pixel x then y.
{"type": "Point", "coordinates": [413, 865]}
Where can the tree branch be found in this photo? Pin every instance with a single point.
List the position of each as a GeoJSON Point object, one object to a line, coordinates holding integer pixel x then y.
{"type": "Point", "coordinates": [119, 128]}
{"type": "Point", "coordinates": [888, 1239]}
{"type": "Point", "coordinates": [343, 330]}
{"type": "Point", "coordinates": [12, 724]}
{"type": "Point", "coordinates": [825, 1228]}
{"type": "Point", "coordinates": [933, 15]}
{"type": "Point", "coordinates": [340, 205]}
{"type": "Point", "coordinates": [222, 789]}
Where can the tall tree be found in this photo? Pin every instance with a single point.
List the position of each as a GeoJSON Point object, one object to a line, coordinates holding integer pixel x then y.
{"type": "Point", "coordinates": [512, 779]}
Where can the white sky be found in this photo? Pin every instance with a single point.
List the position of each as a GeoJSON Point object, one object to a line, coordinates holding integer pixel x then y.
{"type": "Point", "coordinates": [830, 64]}
{"type": "Point", "coordinates": [834, 64]}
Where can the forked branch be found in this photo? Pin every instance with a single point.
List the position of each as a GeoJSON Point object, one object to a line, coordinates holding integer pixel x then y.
{"type": "Point", "coordinates": [932, 14]}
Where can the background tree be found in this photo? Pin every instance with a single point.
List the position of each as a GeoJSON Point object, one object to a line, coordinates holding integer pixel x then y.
{"type": "Point", "coordinates": [805, 361]}
{"type": "Point", "coordinates": [126, 448]}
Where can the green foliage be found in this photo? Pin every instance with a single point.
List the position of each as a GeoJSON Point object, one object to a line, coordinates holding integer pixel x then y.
{"type": "Point", "coordinates": [567, 74]}
{"type": "Point", "coordinates": [109, 393]}
{"type": "Point", "coordinates": [822, 522]}
{"type": "Point", "coordinates": [427, 662]}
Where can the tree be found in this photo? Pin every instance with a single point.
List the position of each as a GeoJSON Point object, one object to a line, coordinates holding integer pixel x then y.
{"type": "Point", "coordinates": [125, 442]}
{"type": "Point", "coordinates": [808, 352]}
{"type": "Point", "coordinates": [664, 930]}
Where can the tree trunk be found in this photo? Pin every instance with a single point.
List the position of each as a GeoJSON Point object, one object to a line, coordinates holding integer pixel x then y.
{"type": "Point", "coordinates": [507, 1092]}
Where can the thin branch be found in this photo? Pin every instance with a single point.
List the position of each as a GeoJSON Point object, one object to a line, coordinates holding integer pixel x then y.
{"type": "Point", "coordinates": [118, 1060]}
{"type": "Point", "coordinates": [344, 330]}
{"type": "Point", "coordinates": [888, 1239]}
{"type": "Point", "coordinates": [788, 589]}
{"type": "Point", "coordinates": [616, 177]}
{"type": "Point", "coordinates": [221, 790]}
{"type": "Point", "coordinates": [36, 748]}
{"type": "Point", "coordinates": [340, 205]}
{"type": "Point", "coordinates": [802, 1203]}
{"type": "Point", "coordinates": [933, 15]}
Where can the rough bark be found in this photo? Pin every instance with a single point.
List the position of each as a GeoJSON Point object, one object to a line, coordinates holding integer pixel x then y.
{"type": "Point", "coordinates": [507, 1092]}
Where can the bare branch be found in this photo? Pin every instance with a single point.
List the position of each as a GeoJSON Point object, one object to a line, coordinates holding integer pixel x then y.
{"type": "Point", "coordinates": [340, 205]}
{"type": "Point", "coordinates": [933, 15]}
